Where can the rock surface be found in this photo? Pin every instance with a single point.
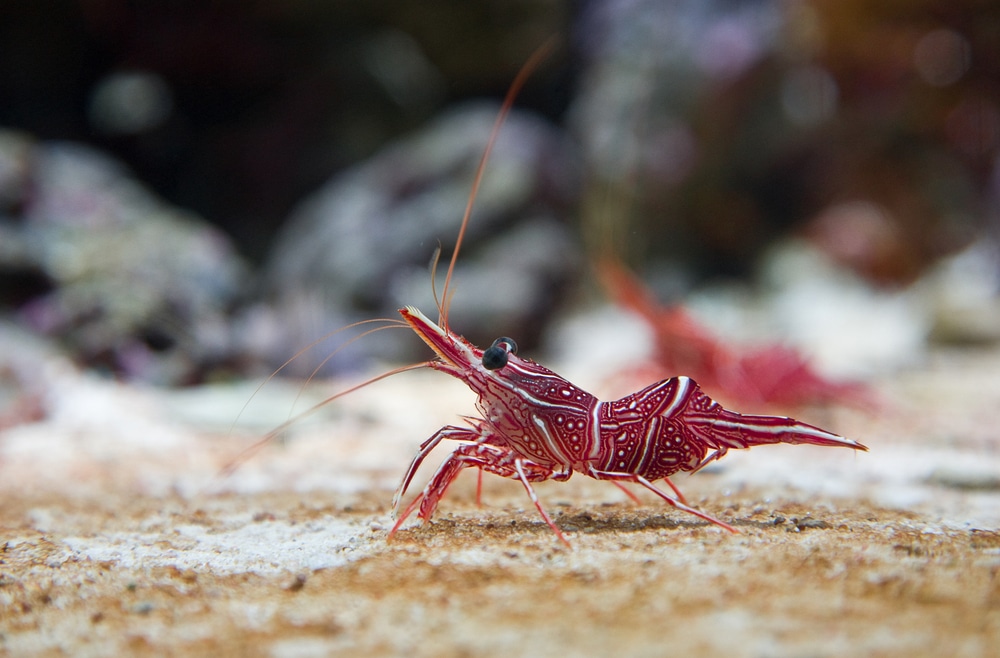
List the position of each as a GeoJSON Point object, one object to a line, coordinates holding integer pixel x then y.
{"type": "Point", "coordinates": [118, 537]}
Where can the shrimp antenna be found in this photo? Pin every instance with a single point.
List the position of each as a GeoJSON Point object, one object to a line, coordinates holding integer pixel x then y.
{"type": "Point", "coordinates": [326, 359]}
{"type": "Point", "coordinates": [388, 323]}
{"type": "Point", "coordinates": [435, 259]}
{"type": "Point", "coordinates": [249, 452]}
{"type": "Point", "coordinates": [529, 67]}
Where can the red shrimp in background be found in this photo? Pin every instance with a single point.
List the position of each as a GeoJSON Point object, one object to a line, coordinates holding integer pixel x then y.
{"type": "Point", "coordinates": [768, 376]}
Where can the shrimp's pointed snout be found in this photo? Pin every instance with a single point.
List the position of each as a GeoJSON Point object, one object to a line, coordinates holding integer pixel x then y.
{"type": "Point", "coordinates": [453, 349]}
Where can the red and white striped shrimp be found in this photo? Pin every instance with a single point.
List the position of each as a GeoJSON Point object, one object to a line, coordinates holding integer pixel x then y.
{"type": "Point", "coordinates": [536, 426]}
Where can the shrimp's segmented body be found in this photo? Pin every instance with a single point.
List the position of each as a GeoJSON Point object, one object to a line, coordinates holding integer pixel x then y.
{"type": "Point", "coordinates": [536, 426]}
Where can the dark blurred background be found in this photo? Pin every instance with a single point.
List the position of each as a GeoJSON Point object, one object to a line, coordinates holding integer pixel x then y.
{"type": "Point", "coordinates": [274, 151]}
{"type": "Point", "coordinates": [248, 106]}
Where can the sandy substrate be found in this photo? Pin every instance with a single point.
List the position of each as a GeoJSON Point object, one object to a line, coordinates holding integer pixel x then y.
{"type": "Point", "coordinates": [118, 537]}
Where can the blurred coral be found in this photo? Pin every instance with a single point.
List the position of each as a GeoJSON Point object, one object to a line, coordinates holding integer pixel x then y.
{"type": "Point", "coordinates": [128, 283]}
{"type": "Point", "coordinates": [873, 128]}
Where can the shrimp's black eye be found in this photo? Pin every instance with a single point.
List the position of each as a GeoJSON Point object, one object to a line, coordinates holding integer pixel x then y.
{"type": "Point", "coordinates": [495, 356]}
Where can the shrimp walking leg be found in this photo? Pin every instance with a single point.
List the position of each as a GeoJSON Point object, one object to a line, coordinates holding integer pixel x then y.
{"type": "Point", "coordinates": [450, 432]}
{"type": "Point", "coordinates": [486, 457]}
{"type": "Point", "coordinates": [638, 479]}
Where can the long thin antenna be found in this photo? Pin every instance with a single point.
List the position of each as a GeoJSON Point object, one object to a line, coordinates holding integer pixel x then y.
{"type": "Point", "coordinates": [529, 67]}
{"type": "Point", "coordinates": [435, 259]}
{"type": "Point", "coordinates": [389, 322]}
{"type": "Point", "coordinates": [249, 452]}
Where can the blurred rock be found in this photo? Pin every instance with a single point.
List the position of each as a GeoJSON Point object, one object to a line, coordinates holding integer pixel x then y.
{"type": "Point", "coordinates": [130, 102]}
{"type": "Point", "coordinates": [28, 366]}
{"type": "Point", "coordinates": [237, 110]}
{"type": "Point", "coordinates": [360, 247]}
{"type": "Point", "coordinates": [670, 148]}
{"type": "Point", "coordinates": [126, 282]}
{"type": "Point", "coordinates": [873, 129]}
{"type": "Point", "coordinates": [849, 327]}
{"type": "Point", "coordinates": [964, 294]}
